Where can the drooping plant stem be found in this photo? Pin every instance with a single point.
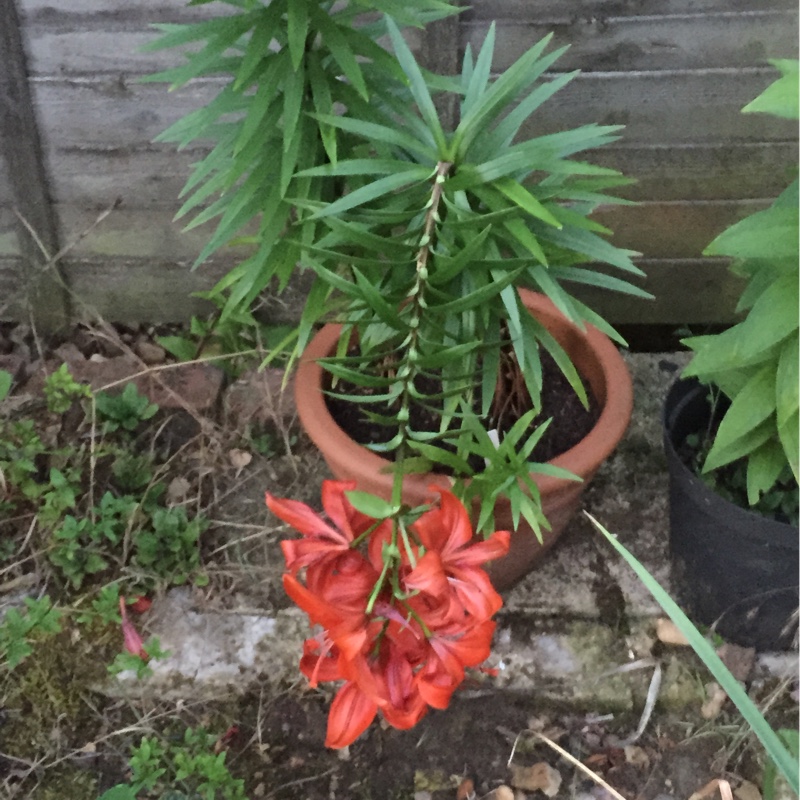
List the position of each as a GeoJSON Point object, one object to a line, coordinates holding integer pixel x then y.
{"type": "Point", "coordinates": [408, 366]}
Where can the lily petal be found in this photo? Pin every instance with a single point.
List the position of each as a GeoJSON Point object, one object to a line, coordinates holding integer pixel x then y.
{"type": "Point", "coordinates": [350, 715]}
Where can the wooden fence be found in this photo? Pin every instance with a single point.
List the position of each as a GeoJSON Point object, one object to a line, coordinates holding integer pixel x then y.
{"type": "Point", "coordinates": [76, 136]}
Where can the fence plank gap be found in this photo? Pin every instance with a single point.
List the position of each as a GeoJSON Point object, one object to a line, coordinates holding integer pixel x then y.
{"type": "Point", "coordinates": [20, 146]}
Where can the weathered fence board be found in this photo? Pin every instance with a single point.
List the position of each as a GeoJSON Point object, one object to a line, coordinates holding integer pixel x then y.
{"type": "Point", "coordinates": [656, 107]}
{"type": "Point", "coordinates": [675, 72]}
{"type": "Point", "coordinates": [698, 41]}
{"type": "Point", "coordinates": [74, 44]}
{"type": "Point", "coordinates": [151, 290]}
{"type": "Point", "coordinates": [555, 10]}
{"type": "Point", "coordinates": [152, 177]}
{"type": "Point", "coordinates": [677, 229]}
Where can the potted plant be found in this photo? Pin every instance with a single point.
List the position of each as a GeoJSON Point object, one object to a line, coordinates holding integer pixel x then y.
{"type": "Point", "coordinates": [731, 431]}
{"type": "Point", "coordinates": [443, 257]}
{"type": "Point", "coordinates": [435, 251]}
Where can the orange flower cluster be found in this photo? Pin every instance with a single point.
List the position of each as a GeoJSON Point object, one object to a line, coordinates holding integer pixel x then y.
{"type": "Point", "coordinates": [399, 621]}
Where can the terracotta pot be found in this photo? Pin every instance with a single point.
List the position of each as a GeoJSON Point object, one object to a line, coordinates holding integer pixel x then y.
{"type": "Point", "coordinates": [599, 364]}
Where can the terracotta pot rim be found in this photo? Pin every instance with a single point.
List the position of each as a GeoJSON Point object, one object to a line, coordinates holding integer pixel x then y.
{"type": "Point", "coordinates": [582, 459]}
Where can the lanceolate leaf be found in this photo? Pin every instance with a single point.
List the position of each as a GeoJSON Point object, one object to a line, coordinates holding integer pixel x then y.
{"type": "Point", "coordinates": [479, 77]}
{"type": "Point", "coordinates": [749, 409]}
{"type": "Point", "coordinates": [297, 30]}
{"type": "Point", "coordinates": [785, 761]}
{"type": "Point", "coordinates": [417, 84]}
{"type": "Point", "coordinates": [340, 49]}
{"type": "Point", "coordinates": [764, 465]}
{"type": "Point", "coordinates": [373, 190]}
{"type": "Point", "coordinates": [382, 133]}
{"type": "Point", "coordinates": [525, 200]}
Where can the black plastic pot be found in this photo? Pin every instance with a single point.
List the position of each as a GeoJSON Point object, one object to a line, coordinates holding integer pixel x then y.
{"type": "Point", "coordinates": [731, 568]}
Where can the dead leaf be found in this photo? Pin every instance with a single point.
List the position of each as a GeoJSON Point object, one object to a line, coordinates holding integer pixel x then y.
{"type": "Point", "coordinates": [239, 459]}
{"type": "Point", "coordinates": [91, 747]}
{"type": "Point", "coordinates": [637, 757]}
{"type": "Point", "coordinates": [466, 790]}
{"type": "Point", "coordinates": [177, 490]}
{"type": "Point", "coordinates": [541, 777]}
{"type": "Point", "coordinates": [747, 791]}
{"type": "Point", "coordinates": [711, 787]}
{"type": "Point", "coordinates": [739, 660]}
{"type": "Point", "coordinates": [716, 699]}
{"type": "Point", "coordinates": [669, 633]}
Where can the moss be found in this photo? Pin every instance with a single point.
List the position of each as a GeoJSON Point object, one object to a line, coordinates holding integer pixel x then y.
{"type": "Point", "coordinates": [66, 782]}
{"type": "Point", "coordinates": [45, 696]}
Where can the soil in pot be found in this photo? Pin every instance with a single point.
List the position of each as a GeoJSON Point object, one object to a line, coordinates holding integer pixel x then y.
{"type": "Point", "coordinates": [571, 422]}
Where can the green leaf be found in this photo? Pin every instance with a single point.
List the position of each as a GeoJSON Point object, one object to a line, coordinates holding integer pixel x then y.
{"type": "Point", "coordinates": [751, 407]}
{"type": "Point", "coordinates": [592, 277]}
{"type": "Point", "coordinates": [297, 30]}
{"type": "Point", "coordinates": [789, 434]}
{"type": "Point", "coordinates": [369, 504]}
{"type": "Point", "coordinates": [785, 762]}
{"type": "Point", "coordinates": [479, 296]}
{"type": "Point", "coordinates": [381, 133]}
{"type": "Point", "coordinates": [740, 447]}
{"type": "Point", "coordinates": [519, 75]}
{"type": "Point", "coordinates": [417, 85]}
{"type": "Point", "coordinates": [592, 246]}
{"type": "Point", "coordinates": [526, 201]}
{"type": "Point", "coordinates": [787, 380]}
{"type": "Point", "coordinates": [771, 233]}
{"type": "Point", "coordinates": [340, 49]}
{"type": "Point", "coordinates": [438, 455]}
{"type": "Point", "coordinates": [781, 97]}
{"type": "Point", "coordinates": [764, 465]}
{"type": "Point", "coordinates": [523, 234]}
{"type": "Point", "coordinates": [359, 166]}
{"type": "Point", "coordinates": [293, 96]}
{"type": "Point", "coordinates": [480, 73]}
{"type": "Point", "coordinates": [258, 47]}
{"type": "Point", "coordinates": [371, 191]}
{"type": "Point", "coordinates": [323, 102]}
{"type": "Point", "coordinates": [772, 318]}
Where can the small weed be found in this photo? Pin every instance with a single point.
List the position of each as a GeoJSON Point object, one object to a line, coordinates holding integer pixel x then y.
{"type": "Point", "coordinates": [169, 546]}
{"type": "Point", "coordinates": [18, 629]}
{"type": "Point", "coordinates": [131, 471]}
{"type": "Point", "coordinates": [61, 390]}
{"type": "Point", "coordinates": [105, 607]}
{"type": "Point", "coordinates": [125, 661]}
{"type": "Point", "coordinates": [125, 410]}
{"type": "Point", "coordinates": [187, 769]}
{"type": "Point", "coordinates": [58, 495]}
{"type": "Point", "coordinates": [80, 546]}
{"type": "Point", "coordinates": [21, 452]}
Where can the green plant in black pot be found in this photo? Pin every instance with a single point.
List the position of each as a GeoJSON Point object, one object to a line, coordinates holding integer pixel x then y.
{"type": "Point", "coordinates": [731, 432]}
{"type": "Point", "coordinates": [753, 366]}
